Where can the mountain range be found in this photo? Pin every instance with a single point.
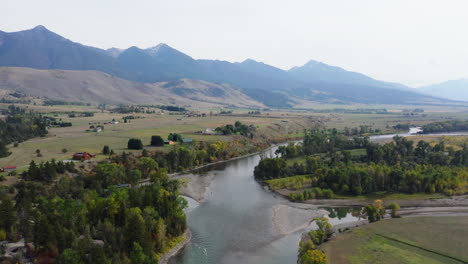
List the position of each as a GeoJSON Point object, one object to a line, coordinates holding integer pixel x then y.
{"type": "Point", "coordinates": [162, 66]}
{"type": "Point", "coordinates": [454, 89]}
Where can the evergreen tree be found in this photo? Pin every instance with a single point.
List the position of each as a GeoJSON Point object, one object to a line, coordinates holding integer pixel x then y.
{"type": "Point", "coordinates": [157, 141]}
{"type": "Point", "coordinates": [4, 150]}
{"type": "Point", "coordinates": [105, 150]}
{"type": "Point", "coordinates": [134, 143]}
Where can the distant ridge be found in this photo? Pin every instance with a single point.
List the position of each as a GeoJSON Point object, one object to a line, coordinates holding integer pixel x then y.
{"type": "Point", "coordinates": [453, 89]}
{"type": "Point", "coordinates": [315, 82]}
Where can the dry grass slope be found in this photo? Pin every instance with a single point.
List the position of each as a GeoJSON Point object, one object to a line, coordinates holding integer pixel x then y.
{"type": "Point", "coordinates": [99, 87]}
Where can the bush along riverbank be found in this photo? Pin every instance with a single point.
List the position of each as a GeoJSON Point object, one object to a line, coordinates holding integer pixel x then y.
{"type": "Point", "coordinates": [327, 165]}
{"type": "Point", "coordinates": [309, 253]}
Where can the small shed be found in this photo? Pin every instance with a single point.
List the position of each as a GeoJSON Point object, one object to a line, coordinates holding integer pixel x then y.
{"type": "Point", "coordinates": [168, 142]}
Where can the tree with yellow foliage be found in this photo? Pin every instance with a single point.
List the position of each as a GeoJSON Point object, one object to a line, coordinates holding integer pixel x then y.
{"type": "Point", "coordinates": [314, 256]}
{"type": "Point", "coordinates": [375, 211]}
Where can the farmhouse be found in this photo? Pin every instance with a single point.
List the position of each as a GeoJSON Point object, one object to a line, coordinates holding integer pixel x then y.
{"type": "Point", "coordinates": [9, 168]}
{"type": "Point", "coordinates": [82, 156]}
{"type": "Point", "coordinates": [168, 142]}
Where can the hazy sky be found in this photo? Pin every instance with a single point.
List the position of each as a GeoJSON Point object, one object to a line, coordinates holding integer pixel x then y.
{"type": "Point", "coordinates": [414, 42]}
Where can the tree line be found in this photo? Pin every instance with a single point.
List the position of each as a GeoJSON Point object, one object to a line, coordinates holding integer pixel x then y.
{"type": "Point", "coordinates": [237, 129]}
{"type": "Point", "coordinates": [398, 166]}
{"type": "Point", "coordinates": [445, 126]}
{"type": "Point", "coordinates": [20, 125]}
{"type": "Point", "coordinates": [187, 156]}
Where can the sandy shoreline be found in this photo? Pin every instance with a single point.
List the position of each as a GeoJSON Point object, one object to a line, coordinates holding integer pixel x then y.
{"type": "Point", "coordinates": [288, 219]}
{"type": "Point", "coordinates": [197, 186]}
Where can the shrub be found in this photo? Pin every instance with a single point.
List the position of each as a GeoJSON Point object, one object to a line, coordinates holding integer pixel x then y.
{"type": "Point", "coordinates": [314, 256]}
{"type": "Point", "coordinates": [106, 150]}
{"type": "Point", "coordinates": [134, 143]}
{"type": "Point", "coordinates": [3, 235]}
{"type": "Point", "coordinates": [157, 141]}
{"type": "Point", "coordinates": [394, 207]}
{"type": "Point", "coordinates": [327, 194]}
{"type": "Point", "coordinates": [175, 137]}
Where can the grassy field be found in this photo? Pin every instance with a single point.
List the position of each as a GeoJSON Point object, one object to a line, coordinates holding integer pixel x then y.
{"type": "Point", "coordinates": [276, 123]}
{"type": "Point", "coordinates": [75, 138]}
{"type": "Point", "coordinates": [415, 240]}
{"type": "Point", "coordinates": [387, 121]}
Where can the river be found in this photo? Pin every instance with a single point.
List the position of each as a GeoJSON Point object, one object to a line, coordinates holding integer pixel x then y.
{"type": "Point", "coordinates": [413, 132]}
{"type": "Point", "coordinates": [235, 223]}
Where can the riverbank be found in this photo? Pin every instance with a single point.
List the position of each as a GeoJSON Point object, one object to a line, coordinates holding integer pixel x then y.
{"type": "Point", "coordinates": [196, 186]}
{"type": "Point", "coordinates": [164, 259]}
{"type": "Point", "coordinates": [288, 219]}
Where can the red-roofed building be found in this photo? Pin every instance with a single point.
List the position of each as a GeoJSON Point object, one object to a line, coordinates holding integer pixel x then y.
{"type": "Point", "coordinates": [9, 168]}
{"type": "Point", "coordinates": [82, 156]}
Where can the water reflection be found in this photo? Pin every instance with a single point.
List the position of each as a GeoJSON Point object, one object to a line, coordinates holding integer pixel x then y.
{"type": "Point", "coordinates": [342, 212]}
